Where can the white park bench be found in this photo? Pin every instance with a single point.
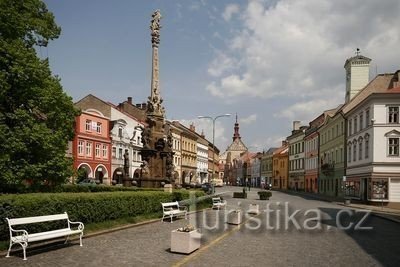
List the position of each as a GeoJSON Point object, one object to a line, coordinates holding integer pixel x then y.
{"type": "Point", "coordinates": [173, 209]}
{"type": "Point", "coordinates": [218, 203]}
{"type": "Point", "coordinates": [23, 238]}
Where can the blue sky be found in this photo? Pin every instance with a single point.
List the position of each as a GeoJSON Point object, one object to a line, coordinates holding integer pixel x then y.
{"type": "Point", "coordinates": [271, 62]}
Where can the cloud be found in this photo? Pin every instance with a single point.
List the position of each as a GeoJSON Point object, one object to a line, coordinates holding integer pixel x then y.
{"type": "Point", "coordinates": [205, 126]}
{"type": "Point", "coordinates": [221, 64]}
{"type": "Point", "coordinates": [229, 11]}
{"type": "Point", "coordinates": [308, 110]}
{"type": "Point", "coordinates": [248, 120]}
{"type": "Point", "coordinates": [297, 49]}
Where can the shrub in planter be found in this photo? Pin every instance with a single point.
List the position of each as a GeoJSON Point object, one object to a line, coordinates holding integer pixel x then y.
{"type": "Point", "coordinates": [264, 195]}
{"type": "Point", "coordinates": [239, 195]}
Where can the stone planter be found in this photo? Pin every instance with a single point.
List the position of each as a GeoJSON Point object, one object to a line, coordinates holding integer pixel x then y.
{"type": "Point", "coordinates": [254, 209]}
{"type": "Point", "coordinates": [185, 242]}
{"type": "Point", "coordinates": [235, 217]}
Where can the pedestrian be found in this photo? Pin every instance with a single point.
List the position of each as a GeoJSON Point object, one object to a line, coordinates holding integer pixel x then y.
{"type": "Point", "coordinates": [248, 184]}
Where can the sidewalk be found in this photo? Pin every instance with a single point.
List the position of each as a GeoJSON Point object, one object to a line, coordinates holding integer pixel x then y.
{"type": "Point", "coordinates": [383, 212]}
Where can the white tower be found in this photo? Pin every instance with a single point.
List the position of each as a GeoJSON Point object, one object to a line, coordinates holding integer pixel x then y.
{"type": "Point", "coordinates": [357, 74]}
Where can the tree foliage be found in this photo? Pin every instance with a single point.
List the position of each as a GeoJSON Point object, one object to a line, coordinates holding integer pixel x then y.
{"type": "Point", "coordinates": [36, 116]}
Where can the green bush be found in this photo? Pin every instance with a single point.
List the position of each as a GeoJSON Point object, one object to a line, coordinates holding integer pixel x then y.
{"type": "Point", "coordinates": [239, 195]}
{"type": "Point", "coordinates": [84, 207]}
{"type": "Point", "coordinates": [264, 195]}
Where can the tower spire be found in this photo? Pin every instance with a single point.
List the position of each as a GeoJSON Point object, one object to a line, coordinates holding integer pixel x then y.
{"type": "Point", "coordinates": [236, 134]}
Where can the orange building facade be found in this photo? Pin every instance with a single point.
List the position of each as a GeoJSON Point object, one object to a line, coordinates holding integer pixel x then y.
{"type": "Point", "coordinates": [280, 161]}
{"type": "Point", "coordinates": [92, 145]}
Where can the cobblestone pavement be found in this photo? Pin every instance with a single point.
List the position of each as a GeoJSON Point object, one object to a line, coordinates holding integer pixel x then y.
{"type": "Point", "coordinates": [250, 244]}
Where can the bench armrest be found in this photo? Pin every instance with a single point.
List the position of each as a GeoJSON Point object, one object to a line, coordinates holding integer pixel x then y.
{"type": "Point", "coordinates": [80, 226]}
{"type": "Point", "coordinates": [183, 208]}
{"type": "Point", "coordinates": [24, 234]}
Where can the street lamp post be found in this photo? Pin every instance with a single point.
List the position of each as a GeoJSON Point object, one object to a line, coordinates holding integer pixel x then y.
{"type": "Point", "coordinates": [213, 149]}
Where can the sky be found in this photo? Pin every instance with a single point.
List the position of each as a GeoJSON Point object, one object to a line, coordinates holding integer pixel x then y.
{"type": "Point", "coordinates": [271, 62]}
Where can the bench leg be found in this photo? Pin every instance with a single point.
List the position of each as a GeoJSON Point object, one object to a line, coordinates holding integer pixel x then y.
{"type": "Point", "coordinates": [9, 249]}
{"type": "Point", "coordinates": [24, 245]}
{"type": "Point", "coordinates": [171, 218]}
{"type": "Point", "coordinates": [80, 239]}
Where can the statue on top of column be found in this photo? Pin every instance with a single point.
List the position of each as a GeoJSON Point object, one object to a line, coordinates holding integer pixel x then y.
{"type": "Point", "coordinates": [155, 27]}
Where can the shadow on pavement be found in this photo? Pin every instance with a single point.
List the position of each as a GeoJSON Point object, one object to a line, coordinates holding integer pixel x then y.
{"type": "Point", "coordinates": [381, 241]}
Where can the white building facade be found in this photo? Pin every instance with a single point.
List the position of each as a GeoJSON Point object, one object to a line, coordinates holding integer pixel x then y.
{"type": "Point", "coordinates": [373, 138]}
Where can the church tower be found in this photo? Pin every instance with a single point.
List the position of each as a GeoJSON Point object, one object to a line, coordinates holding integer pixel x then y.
{"type": "Point", "coordinates": [236, 134]}
{"type": "Point", "coordinates": [357, 74]}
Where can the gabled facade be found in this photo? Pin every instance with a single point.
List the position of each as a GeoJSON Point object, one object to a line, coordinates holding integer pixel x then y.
{"type": "Point", "coordinates": [125, 132]}
{"type": "Point", "coordinates": [280, 169]}
{"type": "Point", "coordinates": [311, 157]}
{"type": "Point", "coordinates": [373, 137]}
{"type": "Point", "coordinates": [266, 167]}
{"type": "Point", "coordinates": [296, 156]}
{"type": "Point", "coordinates": [188, 154]}
{"type": "Point", "coordinates": [176, 148]}
{"type": "Point", "coordinates": [91, 146]}
{"type": "Point", "coordinates": [234, 151]}
{"type": "Point", "coordinates": [332, 154]}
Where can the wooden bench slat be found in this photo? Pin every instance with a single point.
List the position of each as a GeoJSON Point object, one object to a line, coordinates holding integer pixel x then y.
{"type": "Point", "coordinates": [37, 219]}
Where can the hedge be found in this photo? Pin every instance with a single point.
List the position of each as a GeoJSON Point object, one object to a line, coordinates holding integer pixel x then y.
{"type": "Point", "coordinates": [84, 207]}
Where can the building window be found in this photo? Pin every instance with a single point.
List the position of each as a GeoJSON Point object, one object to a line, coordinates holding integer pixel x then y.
{"type": "Point", "coordinates": [367, 119]}
{"type": "Point", "coordinates": [361, 121]}
{"type": "Point", "coordinates": [366, 148]}
{"type": "Point", "coordinates": [393, 115]}
{"type": "Point", "coordinates": [360, 148]}
{"type": "Point", "coordinates": [114, 152]}
{"type": "Point", "coordinates": [341, 154]}
{"type": "Point", "coordinates": [120, 153]}
{"type": "Point", "coordinates": [354, 151]}
{"type": "Point", "coordinates": [355, 124]}
{"type": "Point", "coordinates": [88, 125]}
{"type": "Point", "coordinates": [88, 149]}
{"type": "Point", "coordinates": [97, 152]}
{"type": "Point", "coordinates": [119, 132]}
{"type": "Point", "coordinates": [336, 156]}
{"type": "Point", "coordinates": [105, 151]}
{"type": "Point", "coordinates": [80, 148]}
{"type": "Point", "coordinates": [350, 127]}
{"type": "Point", "coordinates": [98, 127]}
{"type": "Point", "coordinates": [393, 146]}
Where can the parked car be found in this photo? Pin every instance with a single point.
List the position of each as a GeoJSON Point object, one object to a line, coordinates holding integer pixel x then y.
{"type": "Point", "coordinates": [206, 187]}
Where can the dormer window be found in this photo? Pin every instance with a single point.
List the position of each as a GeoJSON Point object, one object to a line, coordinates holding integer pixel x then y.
{"type": "Point", "coordinates": [393, 114]}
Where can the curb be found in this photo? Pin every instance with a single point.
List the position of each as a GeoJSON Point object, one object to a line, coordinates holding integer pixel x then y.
{"type": "Point", "coordinates": [380, 214]}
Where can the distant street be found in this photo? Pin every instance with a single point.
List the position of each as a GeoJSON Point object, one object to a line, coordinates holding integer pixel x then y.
{"type": "Point", "coordinates": [251, 244]}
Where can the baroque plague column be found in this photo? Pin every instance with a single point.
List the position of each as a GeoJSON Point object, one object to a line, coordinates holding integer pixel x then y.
{"type": "Point", "coordinates": [157, 155]}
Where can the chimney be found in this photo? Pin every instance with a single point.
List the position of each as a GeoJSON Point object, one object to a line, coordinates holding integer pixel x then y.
{"type": "Point", "coordinates": [202, 134]}
{"type": "Point", "coordinates": [144, 106]}
{"type": "Point", "coordinates": [139, 105]}
{"type": "Point", "coordinates": [192, 128]}
{"type": "Point", "coordinates": [130, 100]}
{"type": "Point", "coordinates": [284, 142]}
{"type": "Point", "coordinates": [396, 82]}
{"type": "Point", "coordinates": [296, 125]}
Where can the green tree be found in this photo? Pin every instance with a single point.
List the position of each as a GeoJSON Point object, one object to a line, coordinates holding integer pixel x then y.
{"type": "Point", "coordinates": [36, 116]}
